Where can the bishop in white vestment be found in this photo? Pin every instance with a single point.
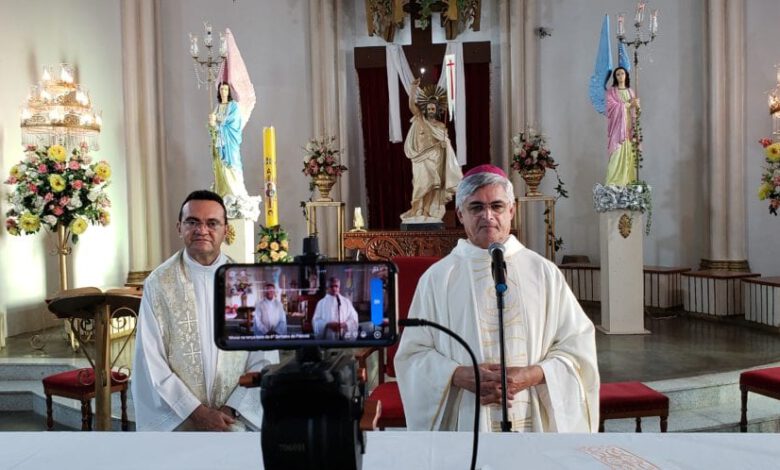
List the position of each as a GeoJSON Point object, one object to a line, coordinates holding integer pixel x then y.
{"type": "Point", "coordinates": [550, 342]}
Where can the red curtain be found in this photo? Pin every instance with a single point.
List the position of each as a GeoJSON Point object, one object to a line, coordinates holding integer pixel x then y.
{"type": "Point", "coordinates": [388, 171]}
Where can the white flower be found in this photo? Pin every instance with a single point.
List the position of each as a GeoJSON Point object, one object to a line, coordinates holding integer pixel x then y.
{"type": "Point", "coordinates": [38, 203]}
{"type": "Point", "coordinates": [93, 194]}
{"type": "Point", "coordinates": [89, 173]}
{"type": "Point", "coordinates": [50, 220]}
{"type": "Point", "coordinates": [74, 203]}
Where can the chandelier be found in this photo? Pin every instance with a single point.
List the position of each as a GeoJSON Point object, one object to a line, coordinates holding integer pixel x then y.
{"type": "Point", "coordinates": [59, 111]}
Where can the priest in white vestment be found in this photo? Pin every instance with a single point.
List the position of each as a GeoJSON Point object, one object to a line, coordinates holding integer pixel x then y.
{"type": "Point", "coordinates": [335, 318]}
{"type": "Point", "coordinates": [180, 380]}
{"type": "Point", "coordinates": [269, 316]}
{"type": "Point", "coordinates": [553, 379]}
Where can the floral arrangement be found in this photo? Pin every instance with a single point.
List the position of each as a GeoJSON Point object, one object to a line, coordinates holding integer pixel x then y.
{"type": "Point", "coordinates": [636, 196]}
{"type": "Point", "coordinates": [530, 152]}
{"type": "Point", "coordinates": [241, 285]}
{"type": "Point", "coordinates": [273, 246]}
{"type": "Point", "coordinates": [242, 207]}
{"type": "Point", "coordinates": [770, 178]}
{"type": "Point", "coordinates": [322, 159]}
{"type": "Point", "coordinates": [56, 189]}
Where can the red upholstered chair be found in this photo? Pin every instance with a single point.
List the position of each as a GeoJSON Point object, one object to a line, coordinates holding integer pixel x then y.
{"type": "Point", "coordinates": [79, 384]}
{"type": "Point", "coordinates": [410, 268]}
{"type": "Point", "coordinates": [762, 381]}
{"type": "Point", "coordinates": [631, 400]}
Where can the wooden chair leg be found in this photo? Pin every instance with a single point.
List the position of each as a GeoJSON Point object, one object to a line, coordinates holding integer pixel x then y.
{"type": "Point", "coordinates": [123, 399]}
{"type": "Point", "coordinates": [664, 423]}
{"type": "Point", "coordinates": [639, 425]}
{"type": "Point", "coordinates": [743, 418]}
{"type": "Point", "coordinates": [85, 421]}
{"type": "Point", "coordinates": [49, 417]}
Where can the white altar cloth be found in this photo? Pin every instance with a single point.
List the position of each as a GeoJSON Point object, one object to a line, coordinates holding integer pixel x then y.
{"type": "Point", "coordinates": [393, 450]}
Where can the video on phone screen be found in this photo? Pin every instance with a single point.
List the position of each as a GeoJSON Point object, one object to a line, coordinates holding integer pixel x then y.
{"type": "Point", "coordinates": [320, 303]}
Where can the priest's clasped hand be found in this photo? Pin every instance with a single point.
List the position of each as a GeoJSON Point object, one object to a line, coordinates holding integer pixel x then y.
{"type": "Point", "coordinates": [210, 419]}
{"type": "Point", "coordinates": [518, 379]}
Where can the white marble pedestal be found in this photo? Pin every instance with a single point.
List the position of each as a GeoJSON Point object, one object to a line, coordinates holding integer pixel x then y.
{"type": "Point", "coordinates": [622, 282]}
{"type": "Point", "coordinates": [242, 250]}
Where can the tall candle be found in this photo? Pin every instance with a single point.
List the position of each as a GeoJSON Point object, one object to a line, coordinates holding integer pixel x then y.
{"type": "Point", "coordinates": [269, 170]}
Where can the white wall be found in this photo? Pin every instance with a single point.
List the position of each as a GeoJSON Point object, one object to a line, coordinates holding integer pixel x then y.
{"type": "Point", "coordinates": [673, 98]}
{"type": "Point", "coordinates": [762, 53]}
{"type": "Point", "coordinates": [274, 41]}
{"type": "Point", "coordinates": [85, 33]}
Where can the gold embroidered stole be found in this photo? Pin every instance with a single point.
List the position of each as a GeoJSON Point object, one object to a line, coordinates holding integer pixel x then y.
{"type": "Point", "coordinates": [173, 300]}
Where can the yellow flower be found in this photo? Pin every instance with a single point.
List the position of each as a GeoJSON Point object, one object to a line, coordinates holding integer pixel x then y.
{"type": "Point", "coordinates": [764, 190]}
{"type": "Point", "coordinates": [16, 172]}
{"type": "Point", "coordinates": [284, 244]}
{"type": "Point", "coordinates": [262, 245]}
{"type": "Point", "coordinates": [274, 256]}
{"type": "Point", "coordinates": [103, 170]}
{"type": "Point", "coordinates": [265, 259]}
{"type": "Point", "coordinates": [13, 229]}
{"type": "Point", "coordinates": [773, 152]}
{"type": "Point", "coordinates": [29, 222]}
{"type": "Point", "coordinates": [282, 254]}
{"type": "Point", "coordinates": [265, 238]}
{"type": "Point", "coordinates": [104, 217]}
{"type": "Point", "coordinates": [58, 152]}
{"type": "Point", "coordinates": [274, 246]}
{"type": "Point", "coordinates": [78, 226]}
{"type": "Point", "coordinates": [57, 183]}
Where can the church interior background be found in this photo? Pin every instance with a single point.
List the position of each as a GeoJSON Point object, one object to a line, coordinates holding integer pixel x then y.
{"type": "Point", "coordinates": [705, 80]}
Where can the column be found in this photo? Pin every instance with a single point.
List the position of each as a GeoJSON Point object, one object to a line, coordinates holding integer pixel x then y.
{"type": "Point", "coordinates": [726, 249]}
{"type": "Point", "coordinates": [143, 136]}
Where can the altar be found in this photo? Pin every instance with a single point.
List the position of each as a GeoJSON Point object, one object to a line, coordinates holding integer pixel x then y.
{"type": "Point", "coordinates": [378, 245]}
{"type": "Point", "coordinates": [396, 449]}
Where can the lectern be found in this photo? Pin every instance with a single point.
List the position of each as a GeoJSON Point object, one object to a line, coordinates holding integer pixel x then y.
{"type": "Point", "coordinates": [90, 312]}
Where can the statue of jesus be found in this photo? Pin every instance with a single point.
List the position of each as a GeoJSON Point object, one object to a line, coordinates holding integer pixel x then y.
{"type": "Point", "coordinates": [435, 169]}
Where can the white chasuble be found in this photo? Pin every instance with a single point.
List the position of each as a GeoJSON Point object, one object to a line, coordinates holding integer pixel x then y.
{"type": "Point", "coordinates": [177, 365]}
{"type": "Point", "coordinates": [545, 326]}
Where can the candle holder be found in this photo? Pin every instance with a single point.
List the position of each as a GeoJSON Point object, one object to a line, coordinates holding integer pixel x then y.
{"type": "Point", "coordinates": [638, 41]}
{"type": "Point", "coordinates": [208, 67]}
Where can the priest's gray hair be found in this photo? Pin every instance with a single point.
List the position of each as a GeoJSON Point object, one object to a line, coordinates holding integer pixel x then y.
{"type": "Point", "coordinates": [470, 184]}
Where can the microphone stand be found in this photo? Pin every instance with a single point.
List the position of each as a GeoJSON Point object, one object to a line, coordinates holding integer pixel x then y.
{"type": "Point", "coordinates": [506, 425]}
{"type": "Point", "coordinates": [477, 380]}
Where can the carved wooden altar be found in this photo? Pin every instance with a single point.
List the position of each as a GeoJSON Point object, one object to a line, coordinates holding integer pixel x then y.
{"type": "Point", "coordinates": [383, 245]}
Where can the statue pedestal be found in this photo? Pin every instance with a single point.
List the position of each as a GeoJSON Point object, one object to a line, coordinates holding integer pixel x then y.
{"type": "Point", "coordinates": [242, 250]}
{"type": "Point", "coordinates": [622, 282]}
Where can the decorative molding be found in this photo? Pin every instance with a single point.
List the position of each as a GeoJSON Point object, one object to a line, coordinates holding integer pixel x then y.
{"type": "Point", "coordinates": [740, 266]}
{"type": "Point", "coordinates": [137, 278]}
{"type": "Point", "coordinates": [624, 225]}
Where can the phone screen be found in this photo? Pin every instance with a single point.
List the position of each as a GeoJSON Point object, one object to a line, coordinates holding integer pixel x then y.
{"type": "Point", "coordinates": [290, 305]}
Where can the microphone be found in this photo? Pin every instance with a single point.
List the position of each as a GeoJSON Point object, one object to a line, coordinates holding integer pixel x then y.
{"type": "Point", "coordinates": [498, 266]}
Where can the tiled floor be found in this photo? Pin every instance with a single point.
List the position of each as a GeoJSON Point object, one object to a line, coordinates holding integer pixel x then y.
{"type": "Point", "coordinates": [679, 346]}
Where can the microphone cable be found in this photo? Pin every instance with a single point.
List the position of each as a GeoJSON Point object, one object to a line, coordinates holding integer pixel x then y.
{"type": "Point", "coordinates": [420, 322]}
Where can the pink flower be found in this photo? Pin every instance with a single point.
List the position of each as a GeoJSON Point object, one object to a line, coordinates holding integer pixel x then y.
{"type": "Point", "coordinates": [73, 165]}
{"type": "Point", "coordinates": [32, 188]}
{"type": "Point", "coordinates": [96, 180]}
{"type": "Point", "coordinates": [78, 184]}
{"type": "Point", "coordinates": [59, 166]}
{"type": "Point", "coordinates": [64, 200]}
{"type": "Point", "coordinates": [57, 210]}
{"type": "Point", "coordinates": [11, 180]}
{"type": "Point", "coordinates": [329, 170]}
{"type": "Point", "coordinates": [776, 180]}
{"type": "Point", "coordinates": [775, 203]}
{"type": "Point", "coordinates": [765, 142]}
{"type": "Point", "coordinates": [31, 148]}
{"type": "Point", "coordinates": [48, 197]}
{"type": "Point", "coordinates": [42, 169]}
